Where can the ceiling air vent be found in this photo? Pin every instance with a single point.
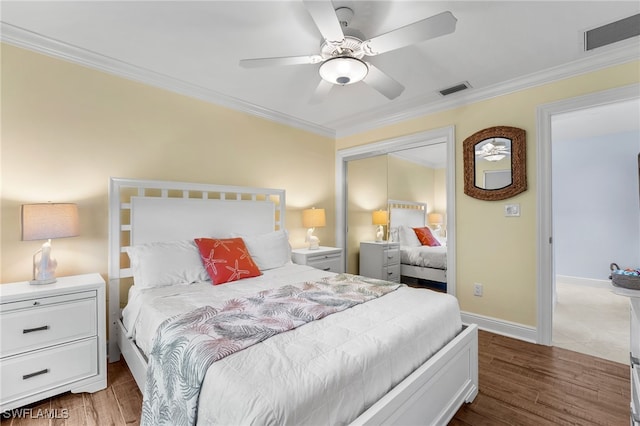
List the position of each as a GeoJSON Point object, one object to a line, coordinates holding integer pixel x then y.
{"type": "Point", "coordinates": [454, 89]}
{"type": "Point", "coordinates": [612, 33]}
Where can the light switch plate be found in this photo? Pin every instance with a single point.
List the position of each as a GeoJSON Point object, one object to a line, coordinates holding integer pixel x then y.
{"type": "Point", "coordinates": [511, 210]}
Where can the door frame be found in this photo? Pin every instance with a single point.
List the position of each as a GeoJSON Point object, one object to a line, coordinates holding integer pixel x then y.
{"type": "Point", "coordinates": [545, 266]}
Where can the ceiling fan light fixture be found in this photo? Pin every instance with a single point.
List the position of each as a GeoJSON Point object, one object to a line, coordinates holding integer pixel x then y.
{"type": "Point", "coordinates": [494, 157]}
{"type": "Point", "coordinates": [343, 70]}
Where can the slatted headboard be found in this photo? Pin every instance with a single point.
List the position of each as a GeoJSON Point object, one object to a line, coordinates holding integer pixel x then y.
{"type": "Point", "coordinates": [142, 211]}
{"type": "Point", "coordinates": [407, 213]}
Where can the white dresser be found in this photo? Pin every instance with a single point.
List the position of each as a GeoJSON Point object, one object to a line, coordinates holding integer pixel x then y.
{"type": "Point", "coordinates": [325, 258]}
{"type": "Point", "coordinates": [380, 260]}
{"type": "Point", "coordinates": [634, 355]}
{"type": "Point", "coordinates": [53, 339]}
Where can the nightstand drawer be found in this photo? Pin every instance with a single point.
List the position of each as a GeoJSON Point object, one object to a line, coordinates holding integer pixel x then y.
{"type": "Point", "coordinates": [41, 326]}
{"type": "Point", "coordinates": [39, 371]}
{"type": "Point", "coordinates": [391, 273]}
{"type": "Point", "coordinates": [326, 262]}
{"type": "Point", "coordinates": [391, 256]}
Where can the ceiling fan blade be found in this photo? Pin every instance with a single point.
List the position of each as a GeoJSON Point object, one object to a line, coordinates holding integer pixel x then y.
{"type": "Point", "coordinates": [321, 92]}
{"type": "Point", "coordinates": [324, 15]}
{"type": "Point", "coordinates": [435, 26]}
{"type": "Point", "coordinates": [383, 83]}
{"type": "Point", "coordinates": [285, 60]}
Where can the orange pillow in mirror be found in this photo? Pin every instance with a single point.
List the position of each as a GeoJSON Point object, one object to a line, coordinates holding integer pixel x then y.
{"type": "Point", "coordinates": [426, 237]}
{"type": "Point", "coordinates": [226, 259]}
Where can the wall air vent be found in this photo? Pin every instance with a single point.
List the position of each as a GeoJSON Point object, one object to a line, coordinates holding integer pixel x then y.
{"type": "Point", "coordinates": [453, 89]}
{"type": "Point", "coordinates": [612, 33]}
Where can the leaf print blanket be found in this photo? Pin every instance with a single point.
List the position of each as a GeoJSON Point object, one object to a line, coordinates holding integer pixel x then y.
{"type": "Point", "coordinates": [186, 345]}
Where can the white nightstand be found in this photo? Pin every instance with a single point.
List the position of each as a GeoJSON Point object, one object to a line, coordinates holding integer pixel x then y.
{"type": "Point", "coordinates": [325, 258]}
{"type": "Point", "coordinates": [380, 260]}
{"type": "Point", "coordinates": [53, 339]}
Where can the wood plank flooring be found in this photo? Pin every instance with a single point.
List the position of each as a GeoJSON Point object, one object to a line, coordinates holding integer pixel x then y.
{"type": "Point", "coordinates": [520, 384]}
{"type": "Point", "coordinates": [526, 384]}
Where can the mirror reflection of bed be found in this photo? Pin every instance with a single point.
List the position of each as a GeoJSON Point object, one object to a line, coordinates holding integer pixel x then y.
{"type": "Point", "coordinates": [423, 254]}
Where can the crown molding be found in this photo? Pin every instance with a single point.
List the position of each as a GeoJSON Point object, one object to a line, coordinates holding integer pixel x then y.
{"type": "Point", "coordinates": [394, 113]}
{"type": "Point", "coordinates": [22, 38]}
{"type": "Point", "coordinates": [420, 106]}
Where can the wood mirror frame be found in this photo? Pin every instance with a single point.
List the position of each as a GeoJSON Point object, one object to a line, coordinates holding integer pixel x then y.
{"type": "Point", "coordinates": [518, 163]}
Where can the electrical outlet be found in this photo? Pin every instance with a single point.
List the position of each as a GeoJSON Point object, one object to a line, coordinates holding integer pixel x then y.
{"type": "Point", "coordinates": [477, 289]}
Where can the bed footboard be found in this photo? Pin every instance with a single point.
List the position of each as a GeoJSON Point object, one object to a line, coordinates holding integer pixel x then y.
{"type": "Point", "coordinates": [433, 393]}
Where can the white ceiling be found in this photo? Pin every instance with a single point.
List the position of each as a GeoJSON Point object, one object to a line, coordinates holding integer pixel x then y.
{"type": "Point", "coordinates": [194, 48]}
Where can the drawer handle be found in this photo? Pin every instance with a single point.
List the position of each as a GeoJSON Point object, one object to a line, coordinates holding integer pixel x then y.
{"type": "Point", "coordinates": [327, 269]}
{"type": "Point", "coordinates": [31, 330]}
{"type": "Point", "coordinates": [633, 359]}
{"type": "Point", "coordinates": [37, 373]}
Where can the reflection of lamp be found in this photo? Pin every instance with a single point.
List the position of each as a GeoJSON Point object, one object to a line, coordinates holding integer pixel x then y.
{"type": "Point", "coordinates": [44, 222]}
{"type": "Point", "coordinates": [380, 218]}
{"type": "Point", "coordinates": [312, 218]}
{"type": "Point", "coordinates": [343, 70]}
{"type": "Point", "coordinates": [435, 219]}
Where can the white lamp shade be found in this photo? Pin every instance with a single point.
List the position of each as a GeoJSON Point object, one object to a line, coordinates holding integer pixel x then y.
{"type": "Point", "coordinates": [313, 218]}
{"type": "Point", "coordinates": [343, 70]}
{"type": "Point", "coordinates": [380, 217]}
{"type": "Point", "coordinates": [49, 220]}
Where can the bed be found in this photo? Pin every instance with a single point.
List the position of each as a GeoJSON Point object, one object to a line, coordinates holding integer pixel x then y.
{"type": "Point", "coordinates": [321, 372]}
{"type": "Point", "coordinates": [419, 261]}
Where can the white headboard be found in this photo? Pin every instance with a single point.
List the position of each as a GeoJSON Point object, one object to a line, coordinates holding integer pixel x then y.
{"type": "Point", "coordinates": [407, 213]}
{"type": "Point", "coordinates": [142, 211]}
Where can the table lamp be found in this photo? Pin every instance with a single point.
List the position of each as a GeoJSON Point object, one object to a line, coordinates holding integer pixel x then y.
{"type": "Point", "coordinates": [380, 218]}
{"type": "Point", "coordinates": [313, 218]}
{"type": "Point", "coordinates": [435, 220]}
{"type": "Point", "coordinates": [46, 221]}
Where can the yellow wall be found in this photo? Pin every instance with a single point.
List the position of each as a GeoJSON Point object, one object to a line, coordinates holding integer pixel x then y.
{"type": "Point", "coordinates": [66, 129]}
{"type": "Point", "coordinates": [491, 249]}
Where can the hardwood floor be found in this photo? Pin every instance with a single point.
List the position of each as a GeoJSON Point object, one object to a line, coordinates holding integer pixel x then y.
{"type": "Point", "coordinates": [526, 384]}
{"type": "Point", "coordinates": [520, 384]}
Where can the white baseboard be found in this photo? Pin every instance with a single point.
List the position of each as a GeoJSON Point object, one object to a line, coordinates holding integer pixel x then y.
{"type": "Point", "coordinates": [587, 282]}
{"type": "Point", "coordinates": [502, 327]}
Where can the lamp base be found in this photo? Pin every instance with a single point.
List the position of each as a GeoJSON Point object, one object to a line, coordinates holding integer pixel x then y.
{"type": "Point", "coordinates": [314, 243]}
{"type": "Point", "coordinates": [41, 282]}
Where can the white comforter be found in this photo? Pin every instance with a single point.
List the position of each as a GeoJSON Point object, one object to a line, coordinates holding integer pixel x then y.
{"type": "Point", "coordinates": [324, 372]}
{"type": "Point", "coordinates": [424, 256]}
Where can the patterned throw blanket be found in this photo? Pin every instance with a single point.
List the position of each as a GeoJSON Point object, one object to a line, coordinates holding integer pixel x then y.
{"type": "Point", "coordinates": [186, 345]}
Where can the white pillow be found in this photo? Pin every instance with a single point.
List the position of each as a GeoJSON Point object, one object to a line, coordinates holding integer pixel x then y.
{"type": "Point", "coordinates": [166, 263]}
{"type": "Point", "coordinates": [270, 250]}
{"type": "Point", "coordinates": [408, 236]}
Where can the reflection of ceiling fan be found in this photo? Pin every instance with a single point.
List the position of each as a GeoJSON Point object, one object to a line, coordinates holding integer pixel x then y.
{"type": "Point", "coordinates": [493, 151]}
{"type": "Point", "coordinates": [342, 52]}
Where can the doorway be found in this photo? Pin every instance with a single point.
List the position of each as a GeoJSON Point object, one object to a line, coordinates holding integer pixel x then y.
{"type": "Point", "coordinates": [595, 223]}
{"type": "Point", "coordinates": [546, 246]}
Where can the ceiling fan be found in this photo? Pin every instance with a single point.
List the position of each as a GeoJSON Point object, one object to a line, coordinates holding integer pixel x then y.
{"type": "Point", "coordinates": [494, 151]}
{"type": "Point", "coordinates": [343, 50]}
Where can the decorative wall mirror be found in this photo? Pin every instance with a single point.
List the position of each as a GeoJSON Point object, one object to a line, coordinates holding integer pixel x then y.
{"type": "Point", "coordinates": [495, 163]}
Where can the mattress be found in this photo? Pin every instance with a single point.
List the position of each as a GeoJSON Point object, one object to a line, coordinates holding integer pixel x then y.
{"type": "Point", "coordinates": [424, 256]}
{"type": "Point", "coordinates": [325, 372]}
